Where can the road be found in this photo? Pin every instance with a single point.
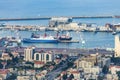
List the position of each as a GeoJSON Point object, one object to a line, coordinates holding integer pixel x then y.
{"type": "Point", "coordinates": [54, 73]}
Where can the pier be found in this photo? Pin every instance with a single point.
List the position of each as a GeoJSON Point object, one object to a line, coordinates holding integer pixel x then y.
{"type": "Point", "coordinates": [47, 18]}
{"type": "Point", "coordinates": [66, 41]}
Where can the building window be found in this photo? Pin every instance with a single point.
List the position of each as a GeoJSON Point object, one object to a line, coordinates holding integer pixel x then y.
{"type": "Point", "coordinates": [47, 57]}
{"type": "Point", "coordinates": [42, 57]}
{"type": "Point", "coordinates": [37, 56]}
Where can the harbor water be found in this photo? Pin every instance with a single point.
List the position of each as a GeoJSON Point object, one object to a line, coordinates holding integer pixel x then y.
{"type": "Point", "coordinates": [91, 39]}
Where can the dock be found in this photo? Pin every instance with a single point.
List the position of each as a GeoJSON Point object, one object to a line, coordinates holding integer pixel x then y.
{"type": "Point", "coordinates": [66, 41]}
{"type": "Point", "coordinates": [49, 17]}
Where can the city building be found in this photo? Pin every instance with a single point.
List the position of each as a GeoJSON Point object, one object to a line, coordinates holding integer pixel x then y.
{"type": "Point", "coordinates": [87, 61]}
{"type": "Point", "coordinates": [38, 64]}
{"type": "Point", "coordinates": [1, 78]}
{"type": "Point", "coordinates": [15, 54]}
{"type": "Point", "coordinates": [114, 69]}
{"type": "Point", "coordinates": [26, 78]}
{"type": "Point", "coordinates": [92, 70]}
{"type": "Point", "coordinates": [28, 54]}
{"type": "Point", "coordinates": [84, 64]}
{"type": "Point", "coordinates": [40, 58]}
{"type": "Point", "coordinates": [104, 62]}
{"type": "Point", "coordinates": [4, 73]}
{"type": "Point", "coordinates": [30, 72]}
{"type": "Point", "coordinates": [6, 56]}
{"type": "Point", "coordinates": [41, 75]}
{"type": "Point", "coordinates": [112, 77]}
{"type": "Point", "coordinates": [71, 74]}
{"type": "Point", "coordinates": [117, 46]}
{"type": "Point", "coordinates": [75, 73]}
{"type": "Point", "coordinates": [21, 72]}
{"type": "Point", "coordinates": [44, 56]}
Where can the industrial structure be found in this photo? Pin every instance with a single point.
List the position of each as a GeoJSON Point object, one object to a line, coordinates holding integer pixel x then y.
{"type": "Point", "coordinates": [55, 21]}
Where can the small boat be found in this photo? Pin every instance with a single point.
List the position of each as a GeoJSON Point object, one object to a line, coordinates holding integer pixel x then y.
{"type": "Point", "coordinates": [114, 33]}
{"type": "Point", "coordinates": [40, 39]}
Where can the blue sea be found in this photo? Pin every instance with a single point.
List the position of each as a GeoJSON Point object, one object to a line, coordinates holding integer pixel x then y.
{"type": "Point", "coordinates": [38, 8]}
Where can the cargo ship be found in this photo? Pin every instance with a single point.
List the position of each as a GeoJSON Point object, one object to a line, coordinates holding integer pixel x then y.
{"type": "Point", "coordinates": [40, 39]}
{"type": "Point", "coordinates": [65, 37]}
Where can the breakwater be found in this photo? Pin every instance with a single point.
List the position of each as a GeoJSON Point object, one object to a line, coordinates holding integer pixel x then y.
{"type": "Point", "coordinates": [47, 18]}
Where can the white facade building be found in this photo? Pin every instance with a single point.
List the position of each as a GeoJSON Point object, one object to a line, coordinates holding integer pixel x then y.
{"type": "Point", "coordinates": [84, 64]}
{"type": "Point", "coordinates": [44, 56]}
{"type": "Point", "coordinates": [94, 70]}
{"type": "Point", "coordinates": [26, 78]}
{"type": "Point", "coordinates": [28, 54]}
{"type": "Point", "coordinates": [117, 46]}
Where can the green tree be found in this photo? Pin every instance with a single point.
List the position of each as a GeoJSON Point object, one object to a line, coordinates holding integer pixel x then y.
{"type": "Point", "coordinates": [105, 69]}
{"type": "Point", "coordinates": [64, 76]}
{"type": "Point", "coordinates": [100, 77]}
{"type": "Point", "coordinates": [118, 73]}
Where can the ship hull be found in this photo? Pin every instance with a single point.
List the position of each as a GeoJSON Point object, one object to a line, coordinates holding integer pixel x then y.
{"type": "Point", "coordinates": [27, 40]}
{"type": "Point", "coordinates": [68, 39]}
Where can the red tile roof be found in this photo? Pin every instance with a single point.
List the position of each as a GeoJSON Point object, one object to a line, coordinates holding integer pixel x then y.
{"type": "Point", "coordinates": [117, 66]}
{"type": "Point", "coordinates": [38, 62]}
{"type": "Point", "coordinates": [114, 66]}
{"type": "Point", "coordinates": [4, 71]}
{"type": "Point", "coordinates": [75, 72]}
{"type": "Point", "coordinates": [3, 63]}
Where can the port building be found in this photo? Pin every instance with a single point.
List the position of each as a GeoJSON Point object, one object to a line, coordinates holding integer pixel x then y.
{"type": "Point", "coordinates": [55, 21]}
{"type": "Point", "coordinates": [115, 27]}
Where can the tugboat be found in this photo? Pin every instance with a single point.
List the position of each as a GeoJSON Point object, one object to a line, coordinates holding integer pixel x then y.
{"type": "Point", "coordinates": [35, 38]}
{"type": "Point", "coordinates": [114, 33]}
{"type": "Point", "coordinates": [65, 37]}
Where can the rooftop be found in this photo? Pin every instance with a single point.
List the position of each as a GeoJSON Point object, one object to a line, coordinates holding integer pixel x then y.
{"type": "Point", "coordinates": [4, 71]}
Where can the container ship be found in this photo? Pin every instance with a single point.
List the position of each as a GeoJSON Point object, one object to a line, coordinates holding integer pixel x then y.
{"type": "Point", "coordinates": [40, 39]}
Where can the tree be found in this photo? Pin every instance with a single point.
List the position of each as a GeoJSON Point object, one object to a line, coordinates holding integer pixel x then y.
{"type": "Point", "coordinates": [1, 66]}
{"type": "Point", "coordinates": [15, 59]}
{"type": "Point", "coordinates": [105, 69]}
{"type": "Point", "coordinates": [116, 60]}
{"type": "Point", "coordinates": [71, 76]}
{"type": "Point", "coordinates": [100, 77]}
{"type": "Point", "coordinates": [118, 73]}
{"type": "Point", "coordinates": [12, 77]}
{"type": "Point", "coordinates": [70, 64]}
{"type": "Point", "coordinates": [64, 77]}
